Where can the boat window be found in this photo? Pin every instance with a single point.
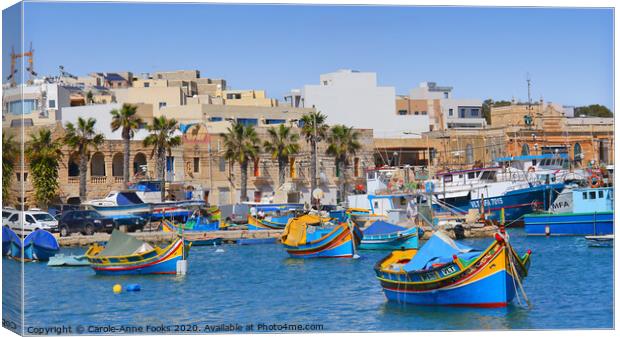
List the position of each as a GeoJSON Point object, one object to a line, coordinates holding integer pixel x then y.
{"type": "Point", "coordinates": [585, 195]}
{"type": "Point", "coordinates": [471, 175]}
{"type": "Point", "coordinates": [593, 195]}
{"type": "Point", "coordinates": [376, 204]}
{"type": "Point", "coordinates": [447, 178]}
{"type": "Point", "coordinates": [460, 176]}
{"type": "Point", "coordinates": [600, 194]}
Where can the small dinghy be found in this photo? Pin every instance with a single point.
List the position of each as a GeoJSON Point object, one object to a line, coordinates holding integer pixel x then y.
{"type": "Point", "coordinates": [381, 235]}
{"type": "Point", "coordinates": [68, 261]}
{"type": "Point", "coordinates": [600, 240]}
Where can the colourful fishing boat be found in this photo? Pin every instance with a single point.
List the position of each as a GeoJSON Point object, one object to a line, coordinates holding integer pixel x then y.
{"type": "Point", "coordinates": [204, 240]}
{"type": "Point", "coordinates": [576, 211]}
{"type": "Point", "coordinates": [271, 223]}
{"type": "Point", "coordinates": [308, 236]}
{"type": "Point", "coordinates": [198, 224]}
{"type": "Point", "coordinates": [381, 235]}
{"type": "Point", "coordinates": [125, 255]}
{"type": "Point", "coordinates": [444, 272]}
{"type": "Point", "coordinates": [361, 216]}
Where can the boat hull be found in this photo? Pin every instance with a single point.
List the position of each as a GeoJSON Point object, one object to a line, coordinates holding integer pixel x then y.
{"type": "Point", "coordinates": [162, 263]}
{"type": "Point", "coordinates": [486, 282]}
{"type": "Point", "coordinates": [516, 203]}
{"type": "Point", "coordinates": [402, 240]}
{"type": "Point", "coordinates": [570, 224]}
{"type": "Point", "coordinates": [43, 253]}
{"type": "Point", "coordinates": [142, 210]}
{"type": "Point", "coordinates": [274, 223]}
{"type": "Point", "coordinates": [340, 242]}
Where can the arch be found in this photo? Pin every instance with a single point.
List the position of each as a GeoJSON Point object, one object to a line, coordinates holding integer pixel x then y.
{"type": "Point", "coordinates": [73, 167]}
{"type": "Point", "coordinates": [577, 152]}
{"type": "Point", "coordinates": [138, 161]}
{"type": "Point", "coordinates": [525, 150]}
{"type": "Point", "coordinates": [117, 165]}
{"type": "Point", "coordinates": [469, 153]}
{"type": "Point", "coordinates": [97, 165]}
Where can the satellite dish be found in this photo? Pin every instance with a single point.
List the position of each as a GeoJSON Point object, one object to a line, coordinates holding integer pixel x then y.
{"type": "Point", "coordinates": [317, 193]}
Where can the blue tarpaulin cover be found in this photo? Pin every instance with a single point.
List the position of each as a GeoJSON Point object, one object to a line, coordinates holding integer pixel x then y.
{"type": "Point", "coordinates": [43, 239]}
{"type": "Point", "coordinates": [439, 249]}
{"type": "Point", "coordinates": [382, 227]}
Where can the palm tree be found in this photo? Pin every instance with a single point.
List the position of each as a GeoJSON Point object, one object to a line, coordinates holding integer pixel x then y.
{"type": "Point", "coordinates": [343, 142]}
{"type": "Point", "coordinates": [314, 130]}
{"type": "Point", "coordinates": [126, 119]}
{"type": "Point", "coordinates": [162, 139]}
{"type": "Point", "coordinates": [241, 145]}
{"type": "Point", "coordinates": [282, 143]}
{"type": "Point", "coordinates": [81, 138]}
{"type": "Point", "coordinates": [89, 97]}
{"type": "Point", "coordinates": [43, 153]}
{"type": "Point", "coordinates": [10, 151]}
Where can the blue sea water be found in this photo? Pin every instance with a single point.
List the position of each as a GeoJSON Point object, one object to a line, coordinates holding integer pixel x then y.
{"type": "Point", "coordinates": [570, 285]}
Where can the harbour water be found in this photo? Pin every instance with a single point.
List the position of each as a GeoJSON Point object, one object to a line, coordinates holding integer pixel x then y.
{"type": "Point", "coordinates": [570, 285]}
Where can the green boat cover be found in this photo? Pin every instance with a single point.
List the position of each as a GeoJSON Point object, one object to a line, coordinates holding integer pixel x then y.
{"type": "Point", "coordinates": [121, 244]}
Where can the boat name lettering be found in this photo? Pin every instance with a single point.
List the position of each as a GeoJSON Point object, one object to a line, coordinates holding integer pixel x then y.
{"type": "Point", "coordinates": [448, 270]}
{"type": "Point", "coordinates": [487, 202]}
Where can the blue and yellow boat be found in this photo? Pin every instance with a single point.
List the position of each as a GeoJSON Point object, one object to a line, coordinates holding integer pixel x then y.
{"type": "Point", "coordinates": [381, 235]}
{"type": "Point", "coordinates": [444, 272]}
{"type": "Point", "coordinates": [275, 222]}
{"type": "Point", "coordinates": [308, 236]}
{"type": "Point", "coordinates": [197, 224]}
{"type": "Point", "coordinates": [126, 255]}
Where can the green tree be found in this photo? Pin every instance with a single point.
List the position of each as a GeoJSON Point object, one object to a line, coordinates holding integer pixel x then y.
{"type": "Point", "coordinates": [89, 97]}
{"type": "Point", "coordinates": [44, 153]}
{"type": "Point", "coordinates": [162, 139]}
{"type": "Point", "coordinates": [343, 142]}
{"type": "Point", "coordinates": [81, 138]}
{"type": "Point", "coordinates": [593, 110]}
{"type": "Point", "coordinates": [314, 130]}
{"type": "Point", "coordinates": [488, 104]}
{"type": "Point", "coordinates": [241, 145]}
{"type": "Point", "coordinates": [282, 144]}
{"type": "Point", "coordinates": [10, 151]}
{"type": "Point", "coordinates": [126, 120]}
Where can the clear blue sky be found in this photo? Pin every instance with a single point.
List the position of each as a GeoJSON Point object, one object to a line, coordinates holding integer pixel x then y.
{"type": "Point", "coordinates": [481, 52]}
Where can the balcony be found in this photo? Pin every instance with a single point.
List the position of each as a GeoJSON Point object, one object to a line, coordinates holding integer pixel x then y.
{"type": "Point", "coordinates": [118, 180]}
{"type": "Point", "coordinates": [74, 180]}
{"type": "Point", "coordinates": [98, 180]}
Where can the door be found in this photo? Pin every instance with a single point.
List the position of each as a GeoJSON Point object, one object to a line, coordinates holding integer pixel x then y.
{"type": "Point", "coordinates": [223, 196]}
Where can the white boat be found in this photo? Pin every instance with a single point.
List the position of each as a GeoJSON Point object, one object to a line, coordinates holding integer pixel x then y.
{"type": "Point", "coordinates": [389, 196]}
{"type": "Point", "coordinates": [600, 240]}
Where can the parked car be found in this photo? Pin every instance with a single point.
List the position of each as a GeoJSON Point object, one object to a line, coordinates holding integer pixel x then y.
{"type": "Point", "coordinates": [32, 219]}
{"type": "Point", "coordinates": [58, 209]}
{"type": "Point", "coordinates": [89, 222]}
{"type": "Point", "coordinates": [6, 213]}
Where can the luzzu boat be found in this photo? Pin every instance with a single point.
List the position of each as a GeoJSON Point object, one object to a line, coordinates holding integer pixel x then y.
{"type": "Point", "coordinates": [197, 224]}
{"type": "Point", "coordinates": [361, 216]}
{"type": "Point", "coordinates": [577, 211]}
{"type": "Point", "coordinates": [381, 235]}
{"type": "Point", "coordinates": [126, 255]}
{"type": "Point", "coordinates": [444, 272]}
{"type": "Point", "coordinates": [308, 236]}
{"type": "Point", "coordinates": [268, 223]}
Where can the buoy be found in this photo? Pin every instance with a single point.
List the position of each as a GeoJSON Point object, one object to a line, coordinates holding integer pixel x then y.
{"type": "Point", "coordinates": [132, 287]}
{"type": "Point", "coordinates": [219, 250]}
{"type": "Point", "coordinates": [117, 288]}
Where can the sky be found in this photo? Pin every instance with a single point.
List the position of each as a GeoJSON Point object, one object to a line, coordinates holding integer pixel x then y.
{"type": "Point", "coordinates": [481, 52]}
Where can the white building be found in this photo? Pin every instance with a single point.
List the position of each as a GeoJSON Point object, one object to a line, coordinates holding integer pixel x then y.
{"type": "Point", "coordinates": [353, 98]}
{"type": "Point", "coordinates": [36, 104]}
{"type": "Point", "coordinates": [451, 112]}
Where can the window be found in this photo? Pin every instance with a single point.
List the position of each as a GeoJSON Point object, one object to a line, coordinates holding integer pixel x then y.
{"type": "Point", "coordinates": [43, 217]}
{"type": "Point", "coordinates": [450, 112]}
{"type": "Point", "coordinates": [275, 121]}
{"type": "Point", "coordinates": [196, 164]}
{"type": "Point", "coordinates": [222, 165]}
{"type": "Point", "coordinates": [22, 106]}
{"type": "Point", "coordinates": [247, 121]}
{"type": "Point", "coordinates": [585, 195]}
{"type": "Point", "coordinates": [162, 105]}
{"type": "Point", "coordinates": [233, 96]}
{"type": "Point", "coordinates": [462, 113]}
{"type": "Point", "coordinates": [600, 194]}
{"type": "Point", "coordinates": [416, 113]}
{"type": "Point", "coordinates": [593, 195]}
{"type": "Point", "coordinates": [147, 84]}
{"type": "Point", "coordinates": [423, 112]}
{"type": "Point", "coordinates": [445, 94]}
{"type": "Point", "coordinates": [215, 119]}
{"type": "Point", "coordinates": [52, 103]}
{"type": "Point", "coordinates": [402, 112]}
{"type": "Point", "coordinates": [475, 112]}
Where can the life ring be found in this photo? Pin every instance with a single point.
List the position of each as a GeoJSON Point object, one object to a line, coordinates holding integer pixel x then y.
{"type": "Point", "coordinates": [531, 169]}
{"type": "Point", "coordinates": [595, 181]}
